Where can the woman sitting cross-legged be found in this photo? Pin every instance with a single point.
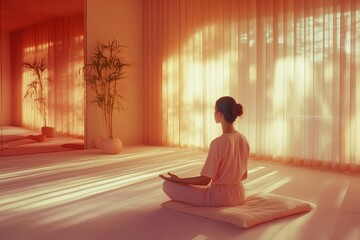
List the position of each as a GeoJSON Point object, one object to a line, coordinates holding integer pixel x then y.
{"type": "Point", "coordinates": [220, 180]}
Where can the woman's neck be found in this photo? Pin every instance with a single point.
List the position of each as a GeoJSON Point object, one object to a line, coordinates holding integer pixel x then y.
{"type": "Point", "coordinates": [228, 128]}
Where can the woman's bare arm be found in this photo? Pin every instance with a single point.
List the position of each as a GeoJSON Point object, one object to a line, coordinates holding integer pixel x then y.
{"type": "Point", "coordinates": [198, 180]}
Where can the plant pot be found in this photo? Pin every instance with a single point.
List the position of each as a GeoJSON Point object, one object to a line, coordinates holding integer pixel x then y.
{"type": "Point", "coordinates": [112, 146]}
{"type": "Point", "coordinates": [49, 132]}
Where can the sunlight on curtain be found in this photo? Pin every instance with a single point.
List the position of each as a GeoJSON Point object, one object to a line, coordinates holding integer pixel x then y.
{"type": "Point", "coordinates": [293, 64]}
{"type": "Point", "coordinates": [60, 43]}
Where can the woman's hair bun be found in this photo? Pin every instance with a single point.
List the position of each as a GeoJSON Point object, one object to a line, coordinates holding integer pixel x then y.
{"type": "Point", "coordinates": [237, 109]}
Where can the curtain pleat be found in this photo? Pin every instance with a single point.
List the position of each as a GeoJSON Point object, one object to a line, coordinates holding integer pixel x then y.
{"type": "Point", "coordinates": [293, 64]}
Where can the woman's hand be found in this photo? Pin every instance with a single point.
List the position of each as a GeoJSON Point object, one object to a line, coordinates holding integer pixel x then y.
{"type": "Point", "coordinates": [171, 177]}
{"type": "Point", "coordinates": [199, 180]}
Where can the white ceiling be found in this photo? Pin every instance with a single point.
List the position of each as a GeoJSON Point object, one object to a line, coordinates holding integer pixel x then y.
{"type": "Point", "coordinates": [16, 14]}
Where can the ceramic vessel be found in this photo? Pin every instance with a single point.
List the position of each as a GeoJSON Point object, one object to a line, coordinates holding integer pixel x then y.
{"type": "Point", "coordinates": [112, 146]}
{"type": "Point", "coordinates": [49, 132]}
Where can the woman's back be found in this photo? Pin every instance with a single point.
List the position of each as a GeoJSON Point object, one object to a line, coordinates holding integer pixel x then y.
{"type": "Point", "coordinates": [226, 165]}
{"type": "Point", "coordinates": [227, 159]}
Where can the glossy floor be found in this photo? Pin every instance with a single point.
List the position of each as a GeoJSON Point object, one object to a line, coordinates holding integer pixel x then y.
{"type": "Point", "coordinates": [89, 195]}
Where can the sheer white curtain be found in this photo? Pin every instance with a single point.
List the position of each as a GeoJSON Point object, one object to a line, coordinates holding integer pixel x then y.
{"type": "Point", "coordinates": [60, 43]}
{"type": "Point", "coordinates": [293, 64]}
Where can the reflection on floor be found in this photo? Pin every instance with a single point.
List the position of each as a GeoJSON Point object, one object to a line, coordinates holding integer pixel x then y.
{"type": "Point", "coordinates": [89, 195]}
{"type": "Point", "coordinates": [20, 141]}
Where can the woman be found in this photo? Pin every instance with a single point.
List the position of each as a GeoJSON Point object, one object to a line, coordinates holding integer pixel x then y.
{"type": "Point", "coordinates": [225, 166]}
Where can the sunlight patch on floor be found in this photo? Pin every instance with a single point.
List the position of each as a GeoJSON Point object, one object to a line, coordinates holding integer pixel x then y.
{"type": "Point", "coordinates": [81, 190]}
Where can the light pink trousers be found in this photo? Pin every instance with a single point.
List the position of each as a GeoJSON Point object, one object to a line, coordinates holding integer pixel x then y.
{"type": "Point", "coordinates": [209, 196]}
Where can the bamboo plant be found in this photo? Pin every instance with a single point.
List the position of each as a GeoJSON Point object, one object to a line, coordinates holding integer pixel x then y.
{"type": "Point", "coordinates": [103, 73]}
{"type": "Point", "coordinates": [36, 89]}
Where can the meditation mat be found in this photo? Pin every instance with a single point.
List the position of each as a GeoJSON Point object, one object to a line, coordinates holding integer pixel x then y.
{"type": "Point", "coordinates": [257, 208]}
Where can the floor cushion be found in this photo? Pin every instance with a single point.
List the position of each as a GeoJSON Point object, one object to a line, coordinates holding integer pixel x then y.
{"type": "Point", "coordinates": [257, 208]}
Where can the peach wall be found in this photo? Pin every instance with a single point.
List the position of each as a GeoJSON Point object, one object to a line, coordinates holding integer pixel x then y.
{"type": "Point", "coordinates": [120, 19]}
{"type": "Point", "coordinates": [5, 79]}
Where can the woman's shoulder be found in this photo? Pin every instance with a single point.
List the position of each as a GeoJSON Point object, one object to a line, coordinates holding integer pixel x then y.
{"type": "Point", "coordinates": [227, 137]}
{"type": "Point", "coordinates": [242, 136]}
